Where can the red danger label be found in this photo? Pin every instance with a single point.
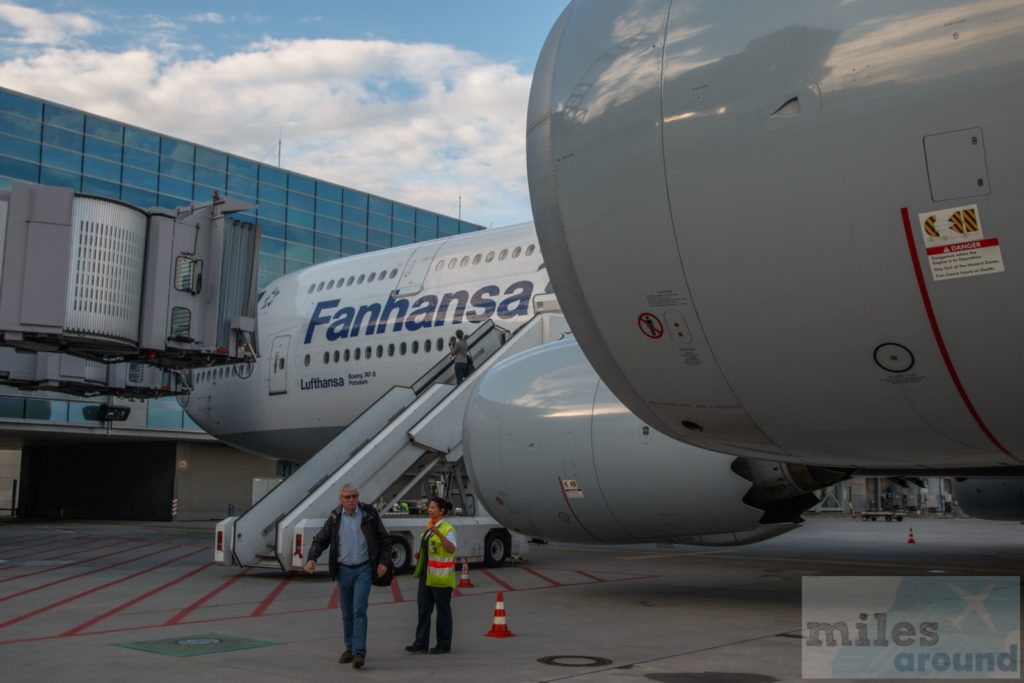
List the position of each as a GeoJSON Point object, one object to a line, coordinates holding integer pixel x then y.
{"type": "Point", "coordinates": [962, 246]}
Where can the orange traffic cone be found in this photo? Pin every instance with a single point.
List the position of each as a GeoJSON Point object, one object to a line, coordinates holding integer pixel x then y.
{"type": "Point", "coordinates": [499, 629]}
{"type": "Point", "coordinates": [464, 581]}
{"type": "Point", "coordinates": [910, 539]}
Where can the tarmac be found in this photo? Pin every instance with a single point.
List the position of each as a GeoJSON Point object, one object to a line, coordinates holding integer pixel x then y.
{"type": "Point", "coordinates": [144, 603]}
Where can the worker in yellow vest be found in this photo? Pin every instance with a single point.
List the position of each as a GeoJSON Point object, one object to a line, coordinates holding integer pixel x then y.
{"type": "Point", "coordinates": [435, 569]}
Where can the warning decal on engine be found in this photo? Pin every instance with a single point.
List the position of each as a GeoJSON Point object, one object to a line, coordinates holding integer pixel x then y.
{"type": "Point", "coordinates": [956, 244]}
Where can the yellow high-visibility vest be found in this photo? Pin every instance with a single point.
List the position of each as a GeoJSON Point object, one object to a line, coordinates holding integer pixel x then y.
{"type": "Point", "coordinates": [440, 564]}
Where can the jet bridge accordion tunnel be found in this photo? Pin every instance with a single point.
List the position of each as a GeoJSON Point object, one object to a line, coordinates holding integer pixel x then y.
{"type": "Point", "coordinates": [126, 299]}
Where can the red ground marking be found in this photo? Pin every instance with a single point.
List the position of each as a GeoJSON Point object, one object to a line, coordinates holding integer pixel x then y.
{"type": "Point", "coordinates": [540, 576]}
{"type": "Point", "coordinates": [396, 591]}
{"type": "Point", "coordinates": [72, 598]}
{"type": "Point", "coordinates": [269, 600]}
{"type": "Point", "coordinates": [176, 619]}
{"type": "Point", "coordinates": [496, 580]}
{"type": "Point", "coordinates": [66, 545]}
{"type": "Point", "coordinates": [589, 576]}
{"type": "Point", "coordinates": [335, 600]}
{"type": "Point", "coordinates": [83, 550]}
{"type": "Point", "coordinates": [78, 576]}
{"type": "Point", "coordinates": [134, 601]}
{"type": "Point", "coordinates": [49, 539]}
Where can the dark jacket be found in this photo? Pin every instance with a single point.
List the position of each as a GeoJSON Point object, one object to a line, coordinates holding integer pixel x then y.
{"type": "Point", "coordinates": [378, 544]}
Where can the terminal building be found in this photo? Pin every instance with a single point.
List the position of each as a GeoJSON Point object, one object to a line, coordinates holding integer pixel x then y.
{"type": "Point", "coordinates": [56, 461]}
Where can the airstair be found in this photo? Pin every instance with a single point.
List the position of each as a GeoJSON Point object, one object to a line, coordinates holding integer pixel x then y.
{"type": "Point", "coordinates": [396, 442]}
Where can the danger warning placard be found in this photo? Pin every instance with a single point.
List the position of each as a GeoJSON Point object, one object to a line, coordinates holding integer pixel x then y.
{"type": "Point", "coordinates": [956, 244]}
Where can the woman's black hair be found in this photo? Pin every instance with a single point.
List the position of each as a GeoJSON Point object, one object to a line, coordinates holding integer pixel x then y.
{"type": "Point", "coordinates": [445, 505]}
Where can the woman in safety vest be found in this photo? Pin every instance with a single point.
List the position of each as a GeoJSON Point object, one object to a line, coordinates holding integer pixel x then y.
{"type": "Point", "coordinates": [435, 569]}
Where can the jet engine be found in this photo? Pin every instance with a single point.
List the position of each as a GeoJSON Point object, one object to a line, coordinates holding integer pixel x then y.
{"type": "Point", "coordinates": [788, 230]}
{"type": "Point", "coordinates": [999, 498]}
{"type": "Point", "coordinates": [553, 454]}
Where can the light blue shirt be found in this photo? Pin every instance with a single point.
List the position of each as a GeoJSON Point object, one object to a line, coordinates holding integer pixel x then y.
{"type": "Point", "coordinates": [351, 542]}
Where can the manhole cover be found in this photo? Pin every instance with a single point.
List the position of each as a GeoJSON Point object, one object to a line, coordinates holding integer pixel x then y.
{"type": "Point", "coordinates": [199, 641]}
{"type": "Point", "coordinates": [574, 660]}
{"type": "Point", "coordinates": [200, 644]}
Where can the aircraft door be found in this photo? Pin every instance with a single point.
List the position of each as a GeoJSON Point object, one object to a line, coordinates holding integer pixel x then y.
{"type": "Point", "coordinates": [417, 267]}
{"type": "Point", "coordinates": [278, 378]}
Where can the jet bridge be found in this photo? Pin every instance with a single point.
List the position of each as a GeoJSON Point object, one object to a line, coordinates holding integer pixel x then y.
{"type": "Point", "coordinates": [398, 441]}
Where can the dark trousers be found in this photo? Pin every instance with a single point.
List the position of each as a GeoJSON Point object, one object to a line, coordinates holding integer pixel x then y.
{"type": "Point", "coordinates": [427, 598]}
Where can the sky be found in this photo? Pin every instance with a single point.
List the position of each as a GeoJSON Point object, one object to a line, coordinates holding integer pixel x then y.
{"type": "Point", "coordinates": [423, 101]}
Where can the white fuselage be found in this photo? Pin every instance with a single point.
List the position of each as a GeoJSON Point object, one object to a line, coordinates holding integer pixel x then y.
{"type": "Point", "coordinates": [334, 337]}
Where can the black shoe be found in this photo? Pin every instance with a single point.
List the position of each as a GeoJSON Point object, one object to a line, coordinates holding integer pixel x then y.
{"type": "Point", "coordinates": [439, 651]}
{"type": "Point", "coordinates": [415, 650]}
{"type": "Point", "coordinates": [358, 661]}
{"type": "Point", "coordinates": [345, 657]}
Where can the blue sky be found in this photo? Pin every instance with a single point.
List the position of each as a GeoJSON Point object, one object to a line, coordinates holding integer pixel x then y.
{"type": "Point", "coordinates": [416, 100]}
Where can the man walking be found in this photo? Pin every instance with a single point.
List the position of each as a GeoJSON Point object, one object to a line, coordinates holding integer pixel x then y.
{"type": "Point", "coordinates": [359, 546]}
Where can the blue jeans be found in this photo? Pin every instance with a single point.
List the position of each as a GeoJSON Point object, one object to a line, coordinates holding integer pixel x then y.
{"type": "Point", "coordinates": [354, 589]}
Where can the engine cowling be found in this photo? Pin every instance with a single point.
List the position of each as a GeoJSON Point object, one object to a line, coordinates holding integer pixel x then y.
{"type": "Point", "coordinates": [553, 454]}
{"type": "Point", "coordinates": [998, 498]}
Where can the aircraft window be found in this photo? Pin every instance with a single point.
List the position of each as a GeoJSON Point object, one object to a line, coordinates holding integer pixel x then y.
{"type": "Point", "coordinates": [503, 254]}
{"type": "Point", "coordinates": [401, 348]}
{"type": "Point", "coordinates": [373, 276]}
{"type": "Point", "coordinates": [307, 360]}
{"type": "Point", "coordinates": [464, 262]}
{"type": "Point", "coordinates": [369, 352]}
{"type": "Point", "coordinates": [426, 346]}
{"type": "Point", "coordinates": [490, 256]}
{"type": "Point", "coordinates": [394, 273]}
{"type": "Point", "coordinates": [380, 351]}
{"type": "Point", "coordinates": [476, 259]}
{"type": "Point", "coordinates": [440, 344]}
{"type": "Point", "coordinates": [330, 284]}
{"type": "Point", "coordinates": [382, 275]}
{"type": "Point", "coordinates": [529, 250]}
{"type": "Point", "coordinates": [360, 280]}
{"type": "Point", "coordinates": [415, 347]}
{"type": "Point", "coordinates": [280, 363]}
{"type": "Point", "coordinates": [337, 356]}
{"type": "Point", "coordinates": [348, 355]}
{"type": "Point", "coordinates": [350, 279]}
{"type": "Point", "coordinates": [452, 263]}
{"type": "Point", "coordinates": [327, 357]}
{"type": "Point", "coordinates": [516, 252]}
{"type": "Point", "coordinates": [320, 288]}
{"type": "Point", "coordinates": [311, 288]}
{"type": "Point", "coordinates": [358, 353]}
{"type": "Point", "coordinates": [440, 265]}
{"type": "Point", "coordinates": [391, 350]}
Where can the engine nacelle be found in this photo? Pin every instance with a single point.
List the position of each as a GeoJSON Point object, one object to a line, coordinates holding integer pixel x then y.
{"type": "Point", "coordinates": [999, 498]}
{"type": "Point", "coordinates": [553, 454]}
{"type": "Point", "coordinates": [779, 229]}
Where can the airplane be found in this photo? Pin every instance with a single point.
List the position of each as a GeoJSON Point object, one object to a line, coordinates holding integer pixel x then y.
{"type": "Point", "coordinates": [786, 230]}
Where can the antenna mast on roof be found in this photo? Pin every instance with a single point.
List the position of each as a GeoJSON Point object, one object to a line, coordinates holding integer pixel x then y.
{"type": "Point", "coordinates": [279, 147]}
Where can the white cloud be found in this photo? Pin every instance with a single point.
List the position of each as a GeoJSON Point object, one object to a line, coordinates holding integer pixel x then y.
{"type": "Point", "coordinates": [414, 122]}
{"type": "Point", "coordinates": [207, 18]}
{"type": "Point", "coordinates": [40, 28]}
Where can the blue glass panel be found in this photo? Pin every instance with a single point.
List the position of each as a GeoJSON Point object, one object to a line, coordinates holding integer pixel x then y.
{"type": "Point", "coordinates": [65, 118]}
{"type": "Point", "coordinates": [272, 247]}
{"type": "Point", "coordinates": [329, 226]}
{"type": "Point", "coordinates": [271, 264]}
{"type": "Point", "coordinates": [271, 228]}
{"type": "Point", "coordinates": [51, 176]}
{"type": "Point", "coordinates": [302, 184]}
{"type": "Point", "coordinates": [169, 202]}
{"type": "Point", "coordinates": [22, 127]}
{"type": "Point", "coordinates": [403, 212]}
{"type": "Point", "coordinates": [188, 423]}
{"type": "Point", "coordinates": [269, 193]}
{"type": "Point", "coordinates": [398, 241]}
{"type": "Point", "coordinates": [175, 168]}
{"type": "Point", "coordinates": [300, 218]}
{"type": "Point", "coordinates": [353, 231]}
{"type": "Point", "coordinates": [101, 188]}
{"type": "Point", "coordinates": [163, 412]}
{"type": "Point", "coordinates": [323, 241]}
{"type": "Point", "coordinates": [180, 151]}
{"type": "Point", "coordinates": [54, 411]}
{"type": "Point", "coordinates": [217, 161]}
{"type": "Point", "coordinates": [60, 158]}
{"type": "Point", "coordinates": [102, 169]}
{"type": "Point", "coordinates": [139, 198]}
{"type": "Point", "coordinates": [301, 201]}
{"type": "Point", "coordinates": [273, 212]}
{"type": "Point", "coordinates": [327, 208]}
{"type": "Point", "coordinates": [177, 188]}
{"type": "Point", "coordinates": [349, 247]}
{"type": "Point", "coordinates": [142, 139]}
{"type": "Point", "coordinates": [204, 193]}
{"type": "Point", "coordinates": [325, 255]}
{"type": "Point", "coordinates": [143, 160]}
{"type": "Point", "coordinates": [379, 222]}
{"type": "Point", "coordinates": [355, 198]}
{"type": "Point", "coordinates": [447, 226]}
{"type": "Point", "coordinates": [142, 179]}
{"type": "Point", "coordinates": [214, 179]}
{"type": "Point", "coordinates": [274, 176]}
{"type": "Point", "coordinates": [328, 191]}
{"type": "Point", "coordinates": [62, 138]}
{"type": "Point", "coordinates": [12, 407]}
{"type": "Point", "coordinates": [103, 149]}
{"type": "Point", "coordinates": [426, 218]}
{"type": "Point", "coordinates": [378, 239]}
{"type": "Point", "coordinates": [16, 147]}
{"type": "Point", "coordinates": [468, 227]}
{"type": "Point", "coordinates": [264, 279]}
{"type": "Point", "coordinates": [356, 216]}
{"type": "Point", "coordinates": [33, 109]}
{"type": "Point", "coordinates": [373, 247]}
{"type": "Point", "coordinates": [381, 206]}
{"type": "Point", "coordinates": [299, 235]}
{"type": "Point", "coordinates": [108, 130]}
{"type": "Point", "coordinates": [238, 185]}
{"type": "Point", "coordinates": [403, 229]}
{"type": "Point", "coordinates": [242, 167]}
{"type": "Point", "coordinates": [292, 266]}
{"type": "Point", "coordinates": [22, 170]}
{"type": "Point", "coordinates": [298, 252]}
{"type": "Point", "coordinates": [425, 233]}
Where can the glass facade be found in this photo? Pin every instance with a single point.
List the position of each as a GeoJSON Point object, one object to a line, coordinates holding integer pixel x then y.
{"type": "Point", "coordinates": [304, 220]}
